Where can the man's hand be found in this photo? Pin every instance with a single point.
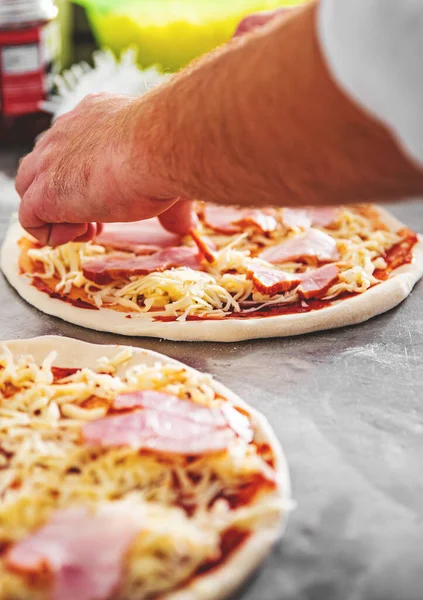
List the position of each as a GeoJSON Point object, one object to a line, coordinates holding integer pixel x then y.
{"type": "Point", "coordinates": [258, 122]}
{"type": "Point", "coordinates": [84, 171]}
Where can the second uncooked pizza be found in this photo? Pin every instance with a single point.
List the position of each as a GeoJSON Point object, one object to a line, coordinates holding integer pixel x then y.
{"type": "Point", "coordinates": [126, 475]}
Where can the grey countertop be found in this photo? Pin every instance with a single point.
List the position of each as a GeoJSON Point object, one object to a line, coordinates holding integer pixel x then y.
{"type": "Point", "coordinates": [347, 406]}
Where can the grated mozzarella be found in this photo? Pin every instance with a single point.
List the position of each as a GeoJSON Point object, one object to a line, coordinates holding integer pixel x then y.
{"type": "Point", "coordinates": [222, 286]}
{"type": "Point", "coordinates": [44, 467]}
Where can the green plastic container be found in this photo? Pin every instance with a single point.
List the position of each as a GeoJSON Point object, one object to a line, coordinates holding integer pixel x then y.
{"type": "Point", "coordinates": [65, 21]}
{"type": "Point", "coordinates": [169, 33]}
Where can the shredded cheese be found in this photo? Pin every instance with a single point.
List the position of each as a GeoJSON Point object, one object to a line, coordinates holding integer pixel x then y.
{"type": "Point", "coordinates": [222, 286]}
{"type": "Point", "coordinates": [44, 467]}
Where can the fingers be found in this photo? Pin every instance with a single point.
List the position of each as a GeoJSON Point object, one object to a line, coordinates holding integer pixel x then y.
{"type": "Point", "coordinates": [67, 232]}
{"type": "Point", "coordinates": [180, 217]}
{"type": "Point", "coordinates": [56, 235]}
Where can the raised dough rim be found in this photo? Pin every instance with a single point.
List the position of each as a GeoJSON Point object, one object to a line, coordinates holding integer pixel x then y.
{"type": "Point", "coordinates": [221, 582]}
{"type": "Point", "coordinates": [375, 301]}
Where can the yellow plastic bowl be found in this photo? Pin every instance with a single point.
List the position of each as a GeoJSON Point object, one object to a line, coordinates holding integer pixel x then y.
{"type": "Point", "coordinates": [169, 33]}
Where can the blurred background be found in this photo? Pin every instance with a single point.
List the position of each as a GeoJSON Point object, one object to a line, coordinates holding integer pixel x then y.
{"type": "Point", "coordinates": [169, 33]}
{"type": "Point", "coordinates": [51, 53]}
{"type": "Point", "coordinates": [40, 39]}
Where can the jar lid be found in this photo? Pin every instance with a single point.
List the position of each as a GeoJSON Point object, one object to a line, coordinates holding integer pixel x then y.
{"type": "Point", "coordinates": [17, 12]}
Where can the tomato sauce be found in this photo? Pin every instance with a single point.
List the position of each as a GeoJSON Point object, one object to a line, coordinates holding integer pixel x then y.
{"type": "Point", "coordinates": [399, 255]}
{"type": "Point", "coordinates": [230, 542]}
{"type": "Point", "coordinates": [8, 390]}
{"type": "Point", "coordinates": [62, 372]}
{"type": "Point", "coordinates": [266, 311]}
{"type": "Point", "coordinates": [246, 492]}
{"type": "Point", "coordinates": [266, 453]}
{"type": "Point", "coordinates": [42, 287]}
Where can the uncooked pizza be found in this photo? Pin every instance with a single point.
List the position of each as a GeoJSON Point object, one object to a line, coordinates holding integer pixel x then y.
{"type": "Point", "coordinates": [242, 273]}
{"type": "Point", "coordinates": [126, 475]}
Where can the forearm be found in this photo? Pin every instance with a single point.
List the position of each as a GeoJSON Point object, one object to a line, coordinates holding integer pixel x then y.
{"type": "Point", "coordinates": [261, 122]}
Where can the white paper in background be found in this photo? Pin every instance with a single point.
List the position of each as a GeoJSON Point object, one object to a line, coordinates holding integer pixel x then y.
{"type": "Point", "coordinates": [108, 75]}
{"type": "Point", "coordinates": [9, 198]}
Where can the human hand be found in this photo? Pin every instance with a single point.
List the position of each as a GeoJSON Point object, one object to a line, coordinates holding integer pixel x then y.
{"type": "Point", "coordinates": [84, 171]}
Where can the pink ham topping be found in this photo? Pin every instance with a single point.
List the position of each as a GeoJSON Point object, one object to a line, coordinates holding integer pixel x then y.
{"type": "Point", "coordinates": [165, 423]}
{"type": "Point", "coordinates": [313, 284]}
{"type": "Point", "coordinates": [83, 551]}
{"type": "Point", "coordinates": [270, 281]}
{"type": "Point", "coordinates": [311, 244]}
{"type": "Point", "coordinates": [230, 220]}
{"type": "Point", "coordinates": [304, 218]}
{"type": "Point", "coordinates": [106, 270]}
{"type": "Point", "coordinates": [296, 217]}
{"type": "Point", "coordinates": [323, 216]}
{"type": "Point", "coordinates": [316, 283]}
{"type": "Point", "coordinates": [141, 237]}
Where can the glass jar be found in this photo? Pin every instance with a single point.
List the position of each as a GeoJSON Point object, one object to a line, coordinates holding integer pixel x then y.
{"type": "Point", "coordinates": [29, 58]}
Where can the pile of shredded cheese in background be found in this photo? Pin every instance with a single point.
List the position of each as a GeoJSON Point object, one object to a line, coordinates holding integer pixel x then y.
{"type": "Point", "coordinates": [44, 467]}
{"type": "Point", "coordinates": [219, 290]}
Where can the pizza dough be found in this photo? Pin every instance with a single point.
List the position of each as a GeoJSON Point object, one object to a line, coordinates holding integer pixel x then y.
{"type": "Point", "coordinates": [376, 300]}
{"type": "Point", "coordinates": [223, 579]}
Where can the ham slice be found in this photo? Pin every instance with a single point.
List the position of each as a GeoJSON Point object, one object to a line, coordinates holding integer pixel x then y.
{"type": "Point", "coordinates": [106, 270]}
{"type": "Point", "coordinates": [271, 282]}
{"type": "Point", "coordinates": [205, 245]}
{"type": "Point", "coordinates": [313, 284]}
{"type": "Point", "coordinates": [83, 551]}
{"type": "Point", "coordinates": [230, 220]}
{"type": "Point", "coordinates": [165, 423]}
{"type": "Point", "coordinates": [323, 216]}
{"type": "Point", "coordinates": [263, 220]}
{"type": "Point", "coordinates": [141, 237]}
{"type": "Point", "coordinates": [316, 283]}
{"type": "Point", "coordinates": [296, 218]}
{"type": "Point", "coordinates": [311, 244]}
{"type": "Point", "coordinates": [304, 218]}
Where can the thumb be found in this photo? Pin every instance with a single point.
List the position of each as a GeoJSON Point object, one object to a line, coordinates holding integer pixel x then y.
{"type": "Point", "coordinates": [180, 217]}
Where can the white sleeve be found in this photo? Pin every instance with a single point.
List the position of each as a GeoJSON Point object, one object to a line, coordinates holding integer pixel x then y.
{"type": "Point", "coordinates": [374, 49]}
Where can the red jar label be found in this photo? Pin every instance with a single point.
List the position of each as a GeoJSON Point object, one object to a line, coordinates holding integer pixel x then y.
{"type": "Point", "coordinates": [27, 58]}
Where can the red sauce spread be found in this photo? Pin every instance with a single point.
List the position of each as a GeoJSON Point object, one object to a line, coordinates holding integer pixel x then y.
{"type": "Point", "coordinates": [8, 390]}
{"type": "Point", "coordinates": [230, 541]}
{"type": "Point", "coordinates": [62, 372]}
{"type": "Point", "coordinates": [401, 254]}
{"type": "Point", "coordinates": [42, 287]}
{"type": "Point", "coordinates": [398, 255]}
{"type": "Point", "coordinates": [266, 453]}
{"type": "Point", "coordinates": [246, 492]}
{"type": "Point", "coordinates": [266, 311]}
